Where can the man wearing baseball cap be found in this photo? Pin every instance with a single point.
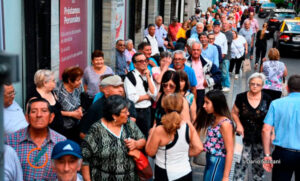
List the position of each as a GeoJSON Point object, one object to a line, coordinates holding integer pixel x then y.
{"type": "Point", "coordinates": [66, 160]}
{"type": "Point", "coordinates": [111, 85]}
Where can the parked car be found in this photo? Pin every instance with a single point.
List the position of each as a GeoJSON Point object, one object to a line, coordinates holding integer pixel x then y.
{"type": "Point", "coordinates": [265, 9]}
{"type": "Point", "coordinates": [259, 3]}
{"type": "Point", "coordinates": [288, 37]}
{"type": "Point", "coordinates": [277, 16]}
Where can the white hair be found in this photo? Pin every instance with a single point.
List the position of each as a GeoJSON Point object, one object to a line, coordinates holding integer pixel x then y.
{"type": "Point", "coordinates": [196, 42]}
{"type": "Point", "coordinates": [200, 23]}
{"type": "Point", "coordinates": [128, 41]}
{"type": "Point", "coordinates": [41, 76]}
{"type": "Point", "coordinates": [257, 75]}
{"type": "Point", "coordinates": [178, 52]}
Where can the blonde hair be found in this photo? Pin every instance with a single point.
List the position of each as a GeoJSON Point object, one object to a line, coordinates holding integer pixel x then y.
{"type": "Point", "coordinates": [274, 54]}
{"type": "Point", "coordinates": [41, 76]}
{"type": "Point", "coordinates": [173, 105]}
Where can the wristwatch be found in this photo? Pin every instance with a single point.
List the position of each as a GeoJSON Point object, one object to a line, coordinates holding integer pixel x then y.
{"type": "Point", "coordinates": [267, 155]}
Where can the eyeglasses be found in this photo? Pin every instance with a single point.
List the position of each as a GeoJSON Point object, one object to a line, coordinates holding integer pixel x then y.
{"type": "Point", "coordinates": [121, 45]}
{"type": "Point", "coordinates": [178, 59]}
{"type": "Point", "coordinates": [171, 86]}
{"type": "Point", "coordinates": [11, 94]}
{"type": "Point", "coordinates": [143, 61]}
{"type": "Point", "coordinates": [211, 38]}
{"type": "Point", "coordinates": [255, 85]}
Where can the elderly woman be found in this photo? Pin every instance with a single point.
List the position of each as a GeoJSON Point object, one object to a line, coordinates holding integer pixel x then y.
{"type": "Point", "coordinates": [249, 111]}
{"type": "Point", "coordinates": [45, 83]}
{"type": "Point", "coordinates": [68, 93]}
{"type": "Point", "coordinates": [173, 142]}
{"type": "Point", "coordinates": [239, 48]}
{"type": "Point", "coordinates": [129, 51]}
{"type": "Point", "coordinates": [275, 72]}
{"type": "Point", "coordinates": [92, 74]}
{"type": "Point", "coordinates": [105, 148]}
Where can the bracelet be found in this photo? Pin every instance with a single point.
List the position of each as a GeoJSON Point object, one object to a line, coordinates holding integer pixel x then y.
{"type": "Point", "coordinates": [267, 155]}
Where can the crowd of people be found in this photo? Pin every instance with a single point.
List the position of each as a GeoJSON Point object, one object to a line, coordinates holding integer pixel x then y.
{"type": "Point", "coordinates": [94, 124]}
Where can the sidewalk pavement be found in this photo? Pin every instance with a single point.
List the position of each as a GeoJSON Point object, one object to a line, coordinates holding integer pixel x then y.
{"type": "Point", "coordinates": [237, 86]}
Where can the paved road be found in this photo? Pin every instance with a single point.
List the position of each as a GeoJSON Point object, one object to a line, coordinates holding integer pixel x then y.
{"type": "Point", "coordinates": [291, 60]}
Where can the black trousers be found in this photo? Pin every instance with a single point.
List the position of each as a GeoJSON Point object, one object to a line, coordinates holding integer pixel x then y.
{"type": "Point", "coordinates": [237, 62]}
{"type": "Point", "coordinates": [289, 164]}
{"type": "Point", "coordinates": [200, 98]}
{"type": "Point", "coordinates": [143, 120]}
{"type": "Point", "coordinates": [260, 53]}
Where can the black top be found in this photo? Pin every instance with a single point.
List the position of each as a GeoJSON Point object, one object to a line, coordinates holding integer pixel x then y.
{"type": "Point", "coordinates": [252, 118]}
{"type": "Point", "coordinates": [159, 111]}
{"type": "Point", "coordinates": [56, 109]}
{"type": "Point", "coordinates": [95, 113]}
{"type": "Point", "coordinates": [261, 42]}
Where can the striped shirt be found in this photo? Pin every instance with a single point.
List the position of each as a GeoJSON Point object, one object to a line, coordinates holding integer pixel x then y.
{"type": "Point", "coordinates": [36, 164]}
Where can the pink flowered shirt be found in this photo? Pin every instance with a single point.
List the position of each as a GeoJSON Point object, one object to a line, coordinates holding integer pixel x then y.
{"type": "Point", "coordinates": [214, 143]}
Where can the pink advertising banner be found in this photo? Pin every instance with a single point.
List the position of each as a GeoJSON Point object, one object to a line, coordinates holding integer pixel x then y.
{"type": "Point", "coordinates": [73, 34]}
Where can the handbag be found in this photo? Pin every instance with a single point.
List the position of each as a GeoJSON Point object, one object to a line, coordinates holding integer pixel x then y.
{"type": "Point", "coordinates": [247, 66]}
{"type": "Point", "coordinates": [143, 168]}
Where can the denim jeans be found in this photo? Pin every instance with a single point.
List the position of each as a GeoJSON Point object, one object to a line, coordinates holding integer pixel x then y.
{"type": "Point", "coordinates": [214, 168]}
{"type": "Point", "coordinates": [287, 164]}
{"type": "Point", "coordinates": [225, 73]}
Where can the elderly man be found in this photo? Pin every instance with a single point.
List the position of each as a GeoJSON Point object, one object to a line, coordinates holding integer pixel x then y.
{"type": "Point", "coordinates": [140, 89]}
{"type": "Point", "coordinates": [160, 33]}
{"type": "Point", "coordinates": [207, 73]}
{"type": "Point", "coordinates": [14, 118]}
{"type": "Point", "coordinates": [66, 161]}
{"type": "Point", "coordinates": [111, 85]}
{"type": "Point", "coordinates": [283, 117]}
{"type": "Point", "coordinates": [34, 143]}
{"type": "Point", "coordinates": [199, 30]}
{"type": "Point", "coordinates": [179, 64]}
{"type": "Point", "coordinates": [248, 34]}
{"type": "Point", "coordinates": [121, 64]}
{"type": "Point", "coordinates": [151, 39]}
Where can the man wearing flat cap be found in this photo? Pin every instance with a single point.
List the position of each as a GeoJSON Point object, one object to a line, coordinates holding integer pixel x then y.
{"type": "Point", "coordinates": [66, 161]}
{"type": "Point", "coordinates": [111, 85]}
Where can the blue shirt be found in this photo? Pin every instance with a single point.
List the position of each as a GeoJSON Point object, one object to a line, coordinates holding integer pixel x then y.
{"type": "Point", "coordinates": [284, 116]}
{"type": "Point", "coordinates": [121, 64]}
{"type": "Point", "coordinates": [211, 53]}
{"type": "Point", "coordinates": [190, 73]}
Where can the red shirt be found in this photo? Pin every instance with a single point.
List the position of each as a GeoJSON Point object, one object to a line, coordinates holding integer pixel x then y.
{"type": "Point", "coordinates": [173, 30]}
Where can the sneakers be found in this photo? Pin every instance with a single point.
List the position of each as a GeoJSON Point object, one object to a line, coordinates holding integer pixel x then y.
{"type": "Point", "coordinates": [236, 77]}
{"type": "Point", "coordinates": [226, 89]}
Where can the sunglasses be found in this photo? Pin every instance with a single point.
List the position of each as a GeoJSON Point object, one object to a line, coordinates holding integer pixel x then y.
{"type": "Point", "coordinates": [171, 86]}
{"type": "Point", "coordinates": [143, 61]}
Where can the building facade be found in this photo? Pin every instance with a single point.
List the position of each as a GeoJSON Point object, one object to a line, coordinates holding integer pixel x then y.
{"type": "Point", "coordinates": [60, 33]}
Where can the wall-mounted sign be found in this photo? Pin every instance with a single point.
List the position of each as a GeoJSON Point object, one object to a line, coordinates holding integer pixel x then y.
{"type": "Point", "coordinates": [73, 34]}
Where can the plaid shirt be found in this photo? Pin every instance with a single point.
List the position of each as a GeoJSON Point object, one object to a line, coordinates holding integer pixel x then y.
{"type": "Point", "coordinates": [23, 144]}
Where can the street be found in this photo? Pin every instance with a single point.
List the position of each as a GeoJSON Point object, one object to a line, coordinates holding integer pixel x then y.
{"type": "Point", "coordinates": [292, 62]}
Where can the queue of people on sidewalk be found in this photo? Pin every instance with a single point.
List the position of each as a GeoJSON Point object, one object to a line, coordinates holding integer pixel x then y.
{"type": "Point", "coordinates": [96, 123]}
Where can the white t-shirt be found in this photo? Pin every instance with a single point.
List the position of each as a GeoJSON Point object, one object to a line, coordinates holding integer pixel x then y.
{"type": "Point", "coordinates": [237, 47]}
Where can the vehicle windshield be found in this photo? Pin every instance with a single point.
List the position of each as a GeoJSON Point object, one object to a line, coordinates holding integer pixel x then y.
{"type": "Point", "coordinates": [285, 15]}
{"type": "Point", "coordinates": [292, 26]}
{"type": "Point", "coordinates": [271, 5]}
